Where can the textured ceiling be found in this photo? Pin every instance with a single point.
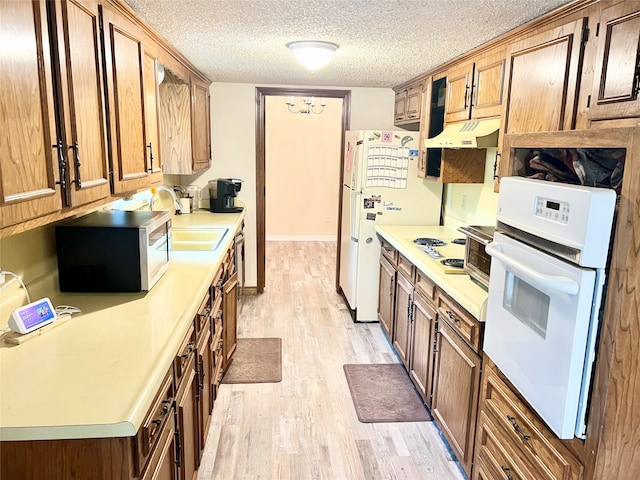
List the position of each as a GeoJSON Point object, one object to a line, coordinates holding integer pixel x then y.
{"type": "Point", "coordinates": [382, 42]}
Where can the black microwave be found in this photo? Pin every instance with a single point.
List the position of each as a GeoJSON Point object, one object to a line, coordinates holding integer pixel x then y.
{"type": "Point", "coordinates": [113, 251]}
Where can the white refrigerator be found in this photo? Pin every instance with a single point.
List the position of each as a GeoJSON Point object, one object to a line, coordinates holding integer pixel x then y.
{"type": "Point", "coordinates": [380, 187]}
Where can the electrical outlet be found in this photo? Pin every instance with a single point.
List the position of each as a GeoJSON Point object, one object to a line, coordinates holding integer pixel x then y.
{"type": "Point", "coordinates": [3, 277]}
{"type": "Point", "coordinates": [463, 201]}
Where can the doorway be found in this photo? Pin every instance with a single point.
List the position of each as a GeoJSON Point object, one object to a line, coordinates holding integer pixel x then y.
{"type": "Point", "coordinates": [261, 95]}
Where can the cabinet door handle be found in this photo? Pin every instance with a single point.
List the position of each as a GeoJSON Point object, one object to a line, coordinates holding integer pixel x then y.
{"type": "Point", "coordinates": [62, 168]}
{"type": "Point", "coordinates": [517, 428]}
{"type": "Point", "coordinates": [452, 317]}
{"type": "Point", "coordinates": [466, 94]}
{"type": "Point", "coordinates": [150, 147]}
{"type": "Point", "coordinates": [76, 163]}
{"type": "Point", "coordinates": [507, 472]}
{"type": "Point", "coordinates": [495, 166]}
{"type": "Point", "coordinates": [189, 350]}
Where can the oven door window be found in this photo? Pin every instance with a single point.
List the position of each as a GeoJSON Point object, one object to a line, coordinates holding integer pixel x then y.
{"type": "Point", "coordinates": [526, 303]}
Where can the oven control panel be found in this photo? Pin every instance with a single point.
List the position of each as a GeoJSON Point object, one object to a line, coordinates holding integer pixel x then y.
{"type": "Point", "coordinates": [552, 210]}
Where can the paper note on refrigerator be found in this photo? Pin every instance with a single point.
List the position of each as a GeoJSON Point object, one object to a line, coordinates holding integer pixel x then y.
{"type": "Point", "coordinates": [387, 166]}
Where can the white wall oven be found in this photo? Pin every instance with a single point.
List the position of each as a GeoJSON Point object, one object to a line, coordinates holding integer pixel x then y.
{"type": "Point", "coordinates": [546, 286]}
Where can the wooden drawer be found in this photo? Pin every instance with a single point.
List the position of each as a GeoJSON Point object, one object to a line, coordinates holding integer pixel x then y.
{"type": "Point", "coordinates": [202, 317]}
{"type": "Point", "coordinates": [492, 457]}
{"type": "Point", "coordinates": [460, 320]}
{"type": "Point", "coordinates": [184, 355]}
{"type": "Point", "coordinates": [406, 267]}
{"type": "Point", "coordinates": [425, 286]}
{"type": "Point", "coordinates": [389, 252]}
{"type": "Point", "coordinates": [154, 421]}
{"type": "Point", "coordinates": [534, 444]}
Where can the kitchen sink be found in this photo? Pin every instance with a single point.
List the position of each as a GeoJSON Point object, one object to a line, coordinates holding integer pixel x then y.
{"type": "Point", "coordinates": [197, 238]}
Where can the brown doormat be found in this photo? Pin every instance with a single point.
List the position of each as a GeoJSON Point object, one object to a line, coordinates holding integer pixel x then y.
{"type": "Point", "coordinates": [256, 360]}
{"type": "Point", "coordinates": [384, 393]}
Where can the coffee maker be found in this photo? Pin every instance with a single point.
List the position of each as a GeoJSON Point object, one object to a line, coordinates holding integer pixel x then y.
{"type": "Point", "coordinates": [222, 195]}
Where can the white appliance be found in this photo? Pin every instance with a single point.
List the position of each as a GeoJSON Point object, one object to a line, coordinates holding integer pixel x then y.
{"type": "Point", "coordinates": [545, 290]}
{"type": "Point", "coordinates": [381, 187]}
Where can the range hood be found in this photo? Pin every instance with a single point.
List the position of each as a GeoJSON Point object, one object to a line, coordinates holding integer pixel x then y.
{"type": "Point", "coordinates": [472, 134]}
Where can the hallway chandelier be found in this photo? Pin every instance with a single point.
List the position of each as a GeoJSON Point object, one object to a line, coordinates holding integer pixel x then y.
{"type": "Point", "coordinates": [306, 107]}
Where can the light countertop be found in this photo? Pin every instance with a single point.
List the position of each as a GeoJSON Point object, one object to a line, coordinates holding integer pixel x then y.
{"type": "Point", "coordinates": [459, 286]}
{"type": "Point", "coordinates": [96, 375]}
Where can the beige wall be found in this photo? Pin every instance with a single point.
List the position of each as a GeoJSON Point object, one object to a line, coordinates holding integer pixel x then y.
{"type": "Point", "coordinates": [302, 171]}
{"type": "Point", "coordinates": [472, 203]}
{"type": "Point", "coordinates": [233, 143]}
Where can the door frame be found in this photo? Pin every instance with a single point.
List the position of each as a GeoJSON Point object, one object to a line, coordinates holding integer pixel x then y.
{"type": "Point", "coordinates": [261, 94]}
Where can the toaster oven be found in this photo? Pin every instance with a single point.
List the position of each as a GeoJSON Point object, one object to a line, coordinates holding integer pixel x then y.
{"type": "Point", "coordinates": [477, 262]}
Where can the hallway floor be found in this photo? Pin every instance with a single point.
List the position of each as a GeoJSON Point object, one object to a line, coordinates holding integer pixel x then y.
{"type": "Point", "coordinates": [305, 427]}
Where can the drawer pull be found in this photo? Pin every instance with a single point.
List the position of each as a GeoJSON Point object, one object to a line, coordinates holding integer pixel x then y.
{"type": "Point", "coordinates": [452, 317]}
{"type": "Point", "coordinates": [517, 428]}
{"type": "Point", "coordinates": [189, 350]}
{"type": "Point", "coordinates": [507, 472]}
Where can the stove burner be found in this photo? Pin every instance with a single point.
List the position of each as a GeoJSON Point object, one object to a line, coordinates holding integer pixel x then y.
{"type": "Point", "coordinates": [453, 262]}
{"type": "Point", "coordinates": [430, 242]}
{"type": "Point", "coordinates": [459, 241]}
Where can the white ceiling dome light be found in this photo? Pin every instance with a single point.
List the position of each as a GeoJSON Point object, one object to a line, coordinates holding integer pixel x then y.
{"type": "Point", "coordinates": [313, 54]}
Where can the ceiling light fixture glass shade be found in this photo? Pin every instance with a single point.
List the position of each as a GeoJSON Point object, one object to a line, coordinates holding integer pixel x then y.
{"type": "Point", "coordinates": [313, 54]}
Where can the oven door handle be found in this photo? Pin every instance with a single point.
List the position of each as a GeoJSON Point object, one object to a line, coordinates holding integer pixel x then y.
{"type": "Point", "coordinates": [553, 282]}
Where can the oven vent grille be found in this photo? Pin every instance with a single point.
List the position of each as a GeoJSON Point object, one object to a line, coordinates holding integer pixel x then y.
{"type": "Point", "coordinates": [557, 249]}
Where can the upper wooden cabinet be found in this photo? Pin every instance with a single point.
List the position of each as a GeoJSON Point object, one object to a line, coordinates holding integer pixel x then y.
{"type": "Point", "coordinates": [124, 53]}
{"type": "Point", "coordinates": [616, 83]}
{"type": "Point", "coordinates": [408, 106]}
{"type": "Point", "coordinates": [81, 99]}
{"type": "Point", "coordinates": [543, 72]}
{"type": "Point", "coordinates": [200, 124]}
{"type": "Point", "coordinates": [474, 89]}
{"type": "Point", "coordinates": [29, 167]}
{"type": "Point", "coordinates": [53, 127]}
{"type": "Point", "coordinates": [151, 110]}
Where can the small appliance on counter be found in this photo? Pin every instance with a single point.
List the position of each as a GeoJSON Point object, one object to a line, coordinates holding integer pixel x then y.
{"type": "Point", "coordinates": [222, 195]}
{"type": "Point", "coordinates": [477, 262]}
{"type": "Point", "coordinates": [113, 251]}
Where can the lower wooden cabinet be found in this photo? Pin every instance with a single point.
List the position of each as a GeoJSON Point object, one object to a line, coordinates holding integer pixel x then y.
{"type": "Point", "coordinates": [229, 318]}
{"type": "Point", "coordinates": [511, 437]}
{"type": "Point", "coordinates": [422, 348]}
{"type": "Point", "coordinates": [187, 431]}
{"type": "Point", "coordinates": [456, 383]}
{"type": "Point", "coordinates": [386, 295]}
{"type": "Point", "coordinates": [162, 465]}
{"type": "Point", "coordinates": [402, 322]}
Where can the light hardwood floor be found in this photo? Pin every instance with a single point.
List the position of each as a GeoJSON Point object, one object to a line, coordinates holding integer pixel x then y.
{"type": "Point", "coordinates": [305, 427]}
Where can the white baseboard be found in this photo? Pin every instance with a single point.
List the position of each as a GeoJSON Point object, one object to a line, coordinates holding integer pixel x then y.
{"type": "Point", "coordinates": [301, 238]}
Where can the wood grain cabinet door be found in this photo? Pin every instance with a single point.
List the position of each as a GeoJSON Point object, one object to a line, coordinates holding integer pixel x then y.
{"type": "Point", "coordinates": [162, 465]}
{"type": "Point", "coordinates": [187, 425]}
{"type": "Point", "coordinates": [82, 99]}
{"type": "Point", "coordinates": [200, 121]}
{"type": "Point", "coordinates": [488, 85]}
{"type": "Point", "coordinates": [151, 110]}
{"type": "Point", "coordinates": [402, 323]}
{"type": "Point", "coordinates": [29, 159]}
{"type": "Point", "coordinates": [456, 384]}
{"type": "Point", "coordinates": [617, 76]}
{"type": "Point", "coordinates": [414, 103]}
{"type": "Point", "coordinates": [386, 292]}
{"type": "Point", "coordinates": [421, 363]}
{"type": "Point", "coordinates": [542, 75]}
{"type": "Point", "coordinates": [230, 318]}
{"type": "Point", "coordinates": [459, 81]}
{"type": "Point", "coordinates": [124, 63]}
{"type": "Point", "coordinates": [400, 108]}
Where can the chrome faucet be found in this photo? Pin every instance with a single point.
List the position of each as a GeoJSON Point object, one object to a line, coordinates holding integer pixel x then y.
{"type": "Point", "coordinates": [157, 190]}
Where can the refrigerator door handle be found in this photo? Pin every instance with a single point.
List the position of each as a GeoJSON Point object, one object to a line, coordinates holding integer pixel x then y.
{"type": "Point", "coordinates": [355, 216]}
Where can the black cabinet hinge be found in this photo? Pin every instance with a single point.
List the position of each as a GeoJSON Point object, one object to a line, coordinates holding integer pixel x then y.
{"type": "Point", "coordinates": [597, 34]}
{"type": "Point", "coordinates": [588, 101]}
{"type": "Point", "coordinates": [585, 35]}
